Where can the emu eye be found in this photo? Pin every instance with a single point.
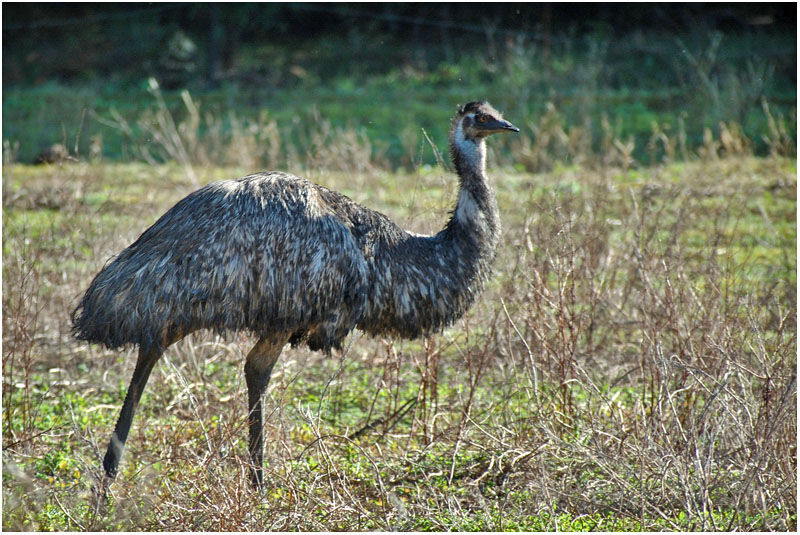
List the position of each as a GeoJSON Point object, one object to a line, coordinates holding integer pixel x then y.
{"type": "Point", "coordinates": [481, 118]}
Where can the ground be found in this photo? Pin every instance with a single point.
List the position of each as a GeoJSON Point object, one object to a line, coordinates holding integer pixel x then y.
{"type": "Point", "coordinates": [631, 366]}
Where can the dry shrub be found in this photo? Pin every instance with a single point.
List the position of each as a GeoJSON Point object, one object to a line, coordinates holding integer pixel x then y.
{"type": "Point", "coordinates": [638, 308]}
{"type": "Point", "coordinates": [615, 153]}
{"type": "Point", "coordinates": [779, 138]}
{"type": "Point", "coordinates": [634, 356]}
{"type": "Point", "coordinates": [551, 143]}
{"type": "Point", "coordinates": [212, 140]}
{"type": "Point", "coordinates": [22, 307]}
{"type": "Point", "coordinates": [203, 139]}
{"type": "Point", "coordinates": [343, 150]}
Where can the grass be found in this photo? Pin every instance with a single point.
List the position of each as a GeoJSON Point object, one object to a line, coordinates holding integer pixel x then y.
{"type": "Point", "coordinates": [631, 366]}
{"type": "Point", "coordinates": [633, 88]}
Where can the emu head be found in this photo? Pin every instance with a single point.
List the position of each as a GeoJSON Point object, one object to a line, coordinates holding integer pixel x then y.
{"type": "Point", "coordinates": [478, 119]}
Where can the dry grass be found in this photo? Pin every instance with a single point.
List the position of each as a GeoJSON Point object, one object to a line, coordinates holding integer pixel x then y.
{"type": "Point", "coordinates": [631, 366]}
{"type": "Point", "coordinates": [204, 139]}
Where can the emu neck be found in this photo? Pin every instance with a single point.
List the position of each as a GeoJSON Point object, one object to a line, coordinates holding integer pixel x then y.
{"type": "Point", "coordinates": [421, 284]}
{"type": "Point", "coordinates": [476, 209]}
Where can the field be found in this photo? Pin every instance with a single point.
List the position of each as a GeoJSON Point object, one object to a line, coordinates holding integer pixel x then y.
{"type": "Point", "coordinates": [631, 366]}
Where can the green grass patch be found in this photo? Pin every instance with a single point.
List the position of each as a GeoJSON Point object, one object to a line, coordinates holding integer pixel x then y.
{"type": "Point", "coordinates": [629, 367]}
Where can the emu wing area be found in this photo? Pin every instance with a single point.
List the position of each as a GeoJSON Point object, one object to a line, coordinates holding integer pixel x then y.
{"type": "Point", "coordinates": [268, 253]}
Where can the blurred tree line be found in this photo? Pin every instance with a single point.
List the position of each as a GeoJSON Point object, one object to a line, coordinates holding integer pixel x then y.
{"type": "Point", "coordinates": [201, 45]}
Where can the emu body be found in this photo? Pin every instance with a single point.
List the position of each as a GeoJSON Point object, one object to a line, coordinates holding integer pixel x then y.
{"type": "Point", "coordinates": [292, 262]}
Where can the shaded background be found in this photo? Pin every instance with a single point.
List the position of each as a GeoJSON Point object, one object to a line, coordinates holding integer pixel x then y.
{"type": "Point", "coordinates": [386, 68]}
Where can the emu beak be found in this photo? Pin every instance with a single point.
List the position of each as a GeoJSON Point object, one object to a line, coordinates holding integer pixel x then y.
{"type": "Point", "coordinates": [499, 125]}
{"type": "Point", "coordinates": [509, 126]}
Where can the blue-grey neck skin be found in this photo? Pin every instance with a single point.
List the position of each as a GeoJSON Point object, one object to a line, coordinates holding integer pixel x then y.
{"type": "Point", "coordinates": [273, 253]}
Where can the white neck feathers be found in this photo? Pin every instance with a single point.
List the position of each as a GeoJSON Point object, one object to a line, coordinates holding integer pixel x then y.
{"type": "Point", "coordinates": [468, 212]}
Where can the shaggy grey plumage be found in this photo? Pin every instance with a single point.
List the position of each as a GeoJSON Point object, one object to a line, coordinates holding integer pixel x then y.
{"type": "Point", "coordinates": [293, 261]}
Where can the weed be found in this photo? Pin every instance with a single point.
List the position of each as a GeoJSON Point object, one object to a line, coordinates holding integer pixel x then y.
{"type": "Point", "coordinates": [630, 367]}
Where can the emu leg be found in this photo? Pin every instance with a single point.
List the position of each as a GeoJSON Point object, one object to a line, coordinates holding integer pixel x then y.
{"type": "Point", "coordinates": [257, 372]}
{"type": "Point", "coordinates": [144, 365]}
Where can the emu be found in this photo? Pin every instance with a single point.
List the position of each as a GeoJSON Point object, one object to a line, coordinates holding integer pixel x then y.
{"type": "Point", "coordinates": [291, 262]}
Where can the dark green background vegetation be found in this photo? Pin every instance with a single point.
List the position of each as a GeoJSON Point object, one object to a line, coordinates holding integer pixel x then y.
{"type": "Point", "coordinates": [390, 69]}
